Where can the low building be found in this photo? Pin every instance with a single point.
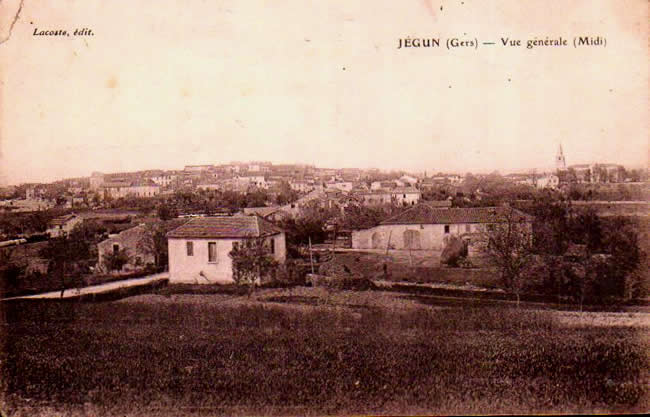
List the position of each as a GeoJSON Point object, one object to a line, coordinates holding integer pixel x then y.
{"type": "Point", "coordinates": [133, 241]}
{"type": "Point", "coordinates": [96, 180]}
{"type": "Point", "coordinates": [272, 214]}
{"type": "Point", "coordinates": [63, 225]}
{"type": "Point", "coordinates": [199, 250]}
{"type": "Point", "coordinates": [210, 187]}
{"type": "Point", "coordinates": [429, 228]}
{"type": "Point", "coordinates": [146, 188]}
{"type": "Point", "coordinates": [253, 180]}
{"type": "Point", "coordinates": [382, 185]}
{"type": "Point", "coordinates": [345, 186]}
{"type": "Point", "coordinates": [162, 178]}
{"type": "Point", "coordinates": [404, 196]}
{"type": "Point", "coordinates": [198, 168]}
{"type": "Point", "coordinates": [122, 188]}
{"type": "Point", "coordinates": [301, 186]}
{"type": "Point", "coordinates": [548, 181]}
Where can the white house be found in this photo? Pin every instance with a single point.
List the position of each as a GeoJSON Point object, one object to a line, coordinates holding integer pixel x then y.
{"type": "Point", "coordinates": [255, 180]}
{"type": "Point", "coordinates": [301, 186]}
{"type": "Point", "coordinates": [406, 196]}
{"type": "Point", "coordinates": [548, 181]}
{"type": "Point", "coordinates": [63, 225]}
{"type": "Point", "coordinates": [121, 188]}
{"type": "Point", "coordinates": [341, 185]}
{"type": "Point", "coordinates": [199, 250]}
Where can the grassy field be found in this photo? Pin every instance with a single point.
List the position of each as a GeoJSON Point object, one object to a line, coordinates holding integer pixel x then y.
{"type": "Point", "coordinates": [311, 351]}
{"type": "Point", "coordinates": [422, 268]}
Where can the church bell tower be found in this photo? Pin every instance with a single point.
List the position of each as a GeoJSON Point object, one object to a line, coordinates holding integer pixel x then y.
{"type": "Point", "coordinates": [560, 163]}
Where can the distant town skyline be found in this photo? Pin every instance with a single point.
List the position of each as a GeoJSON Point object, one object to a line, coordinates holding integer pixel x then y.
{"type": "Point", "coordinates": [322, 84]}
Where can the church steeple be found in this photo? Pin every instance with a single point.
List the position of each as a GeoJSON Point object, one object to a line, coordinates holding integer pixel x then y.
{"type": "Point", "coordinates": [560, 163]}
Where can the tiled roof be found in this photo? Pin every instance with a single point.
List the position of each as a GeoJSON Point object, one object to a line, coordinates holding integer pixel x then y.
{"type": "Point", "coordinates": [144, 183]}
{"type": "Point", "coordinates": [425, 214]}
{"type": "Point", "coordinates": [225, 227]}
{"type": "Point", "coordinates": [62, 220]}
{"type": "Point", "coordinates": [438, 203]}
{"type": "Point", "coordinates": [261, 211]}
{"type": "Point", "coordinates": [396, 190]}
{"type": "Point", "coordinates": [115, 184]}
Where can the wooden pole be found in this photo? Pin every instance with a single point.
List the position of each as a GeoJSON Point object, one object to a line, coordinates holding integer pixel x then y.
{"type": "Point", "coordinates": [388, 243]}
{"type": "Point", "coordinates": [311, 259]}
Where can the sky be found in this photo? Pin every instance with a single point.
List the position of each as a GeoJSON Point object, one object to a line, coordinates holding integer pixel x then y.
{"type": "Point", "coordinates": [163, 84]}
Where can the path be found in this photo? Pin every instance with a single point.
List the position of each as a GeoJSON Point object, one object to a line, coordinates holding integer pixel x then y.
{"type": "Point", "coordinates": [95, 289]}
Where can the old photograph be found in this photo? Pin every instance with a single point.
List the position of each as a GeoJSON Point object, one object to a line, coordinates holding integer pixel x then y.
{"type": "Point", "coordinates": [290, 207]}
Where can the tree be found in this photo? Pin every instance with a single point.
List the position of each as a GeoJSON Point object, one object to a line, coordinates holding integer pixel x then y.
{"type": "Point", "coordinates": [252, 262]}
{"type": "Point", "coordinates": [286, 195]}
{"type": "Point", "coordinates": [509, 244]}
{"type": "Point", "coordinates": [67, 252]}
{"type": "Point", "coordinates": [550, 225]}
{"type": "Point", "coordinates": [166, 212]}
{"type": "Point", "coordinates": [154, 242]}
{"type": "Point", "coordinates": [310, 223]}
{"type": "Point", "coordinates": [11, 269]}
{"type": "Point", "coordinates": [114, 261]}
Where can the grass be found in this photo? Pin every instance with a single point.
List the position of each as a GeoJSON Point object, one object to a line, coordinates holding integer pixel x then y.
{"type": "Point", "coordinates": [265, 359]}
{"type": "Point", "coordinates": [370, 265]}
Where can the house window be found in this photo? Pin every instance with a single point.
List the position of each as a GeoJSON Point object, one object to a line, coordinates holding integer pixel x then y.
{"type": "Point", "coordinates": [468, 228]}
{"type": "Point", "coordinates": [116, 248]}
{"type": "Point", "coordinates": [190, 248]}
{"type": "Point", "coordinates": [446, 228]}
{"type": "Point", "coordinates": [212, 251]}
{"type": "Point", "coordinates": [273, 246]}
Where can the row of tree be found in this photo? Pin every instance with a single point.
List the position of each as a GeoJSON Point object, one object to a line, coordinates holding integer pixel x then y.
{"type": "Point", "coordinates": [570, 253]}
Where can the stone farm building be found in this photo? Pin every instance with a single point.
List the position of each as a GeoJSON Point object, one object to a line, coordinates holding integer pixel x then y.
{"type": "Point", "coordinates": [131, 240]}
{"type": "Point", "coordinates": [424, 227]}
{"type": "Point", "coordinates": [199, 250]}
{"type": "Point", "coordinates": [63, 225]}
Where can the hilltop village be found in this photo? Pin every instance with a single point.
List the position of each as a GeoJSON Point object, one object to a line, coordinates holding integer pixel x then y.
{"type": "Point", "coordinates": [188, 222]}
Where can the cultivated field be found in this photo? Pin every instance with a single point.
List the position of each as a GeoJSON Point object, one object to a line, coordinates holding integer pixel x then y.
{"type": "Point", "coordinates": [313, 351]}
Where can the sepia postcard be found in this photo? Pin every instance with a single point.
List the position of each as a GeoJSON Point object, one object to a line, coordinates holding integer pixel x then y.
{"type": "Point", "coordinates": [289, 207]}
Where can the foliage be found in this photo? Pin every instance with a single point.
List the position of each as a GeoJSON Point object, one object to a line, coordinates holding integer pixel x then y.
{"type": "Point", "coordinates": [310, 223]}
{"type": "Point", "coordinates": [252, 261]}
{"type": "Point", "coordinates": [115, 260]}
{"type": "Point", "coordinates": [286, 195]}
{"type": "Point", "coordinates": [454, 252]}
{"type": "Point", "coordinates": [68, 252]}
{"type": "Point", "coordinates": [166, 212]}
{"type": "Point", "coordinates": [510, 246]}
{"type": "Point", "coordinates": [363, 217]}
{"type": "Point", "coordinates": [14, 224]}
{"type": "Point", "coordinates": [11, 268]}
{"type": "Point", "coordinates": [154, 242]}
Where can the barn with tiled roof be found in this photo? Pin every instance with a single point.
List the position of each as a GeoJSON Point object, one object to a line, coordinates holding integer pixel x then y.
{"type": "Point", "coordinates": [425, 227]}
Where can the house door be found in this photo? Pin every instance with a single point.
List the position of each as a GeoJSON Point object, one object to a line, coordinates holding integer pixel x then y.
{"type": "Point", "coordinates": [412, 239]}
